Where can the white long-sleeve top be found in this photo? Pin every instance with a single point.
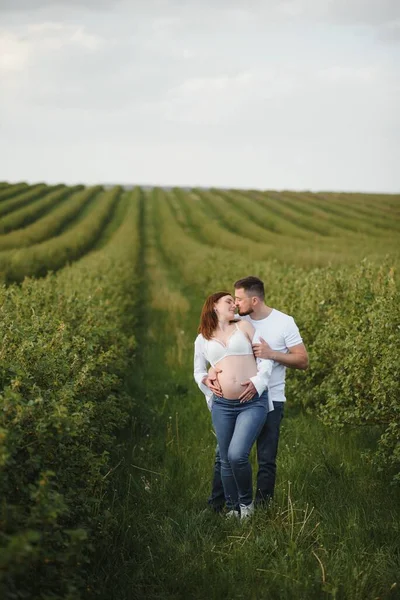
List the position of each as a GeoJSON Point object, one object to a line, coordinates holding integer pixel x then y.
{"type": "Point", "coordinates": [201, 362]}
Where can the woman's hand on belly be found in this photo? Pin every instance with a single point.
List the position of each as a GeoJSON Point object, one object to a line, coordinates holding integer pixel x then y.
{"type": "Point", "coordinates": [236, 371]}
{"type": "Point", "coordinates": [249, 391]}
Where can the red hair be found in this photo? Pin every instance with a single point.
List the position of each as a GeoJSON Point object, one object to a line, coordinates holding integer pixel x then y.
{"type": "Point", "coordinates": [208, 318]}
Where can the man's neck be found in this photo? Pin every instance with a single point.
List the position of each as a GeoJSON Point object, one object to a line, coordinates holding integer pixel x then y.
{"type": "Point", "coordinates": [261, 312]}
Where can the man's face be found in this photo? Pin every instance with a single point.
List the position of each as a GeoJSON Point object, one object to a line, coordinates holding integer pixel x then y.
{"type": "Point", "coordinates": [243, 302]}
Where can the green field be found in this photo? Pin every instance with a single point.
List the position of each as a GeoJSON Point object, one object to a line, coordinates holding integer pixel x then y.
{"type": "Point", "coordinates": [106, 443]}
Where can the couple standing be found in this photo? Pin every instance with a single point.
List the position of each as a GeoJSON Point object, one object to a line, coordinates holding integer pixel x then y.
{"type": "Point", "coordinates": [245, 388]}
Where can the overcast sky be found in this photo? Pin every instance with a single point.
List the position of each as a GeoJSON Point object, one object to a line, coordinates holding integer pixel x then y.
{"type": "Point", "coordinates": [283, 94]}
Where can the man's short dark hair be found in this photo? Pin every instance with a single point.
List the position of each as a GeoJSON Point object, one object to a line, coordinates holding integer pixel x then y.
{"type": "Point", "coordinates": [252, 285]}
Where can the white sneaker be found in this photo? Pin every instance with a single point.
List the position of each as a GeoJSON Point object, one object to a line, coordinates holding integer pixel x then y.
{"type": "Point", "coordinates": [232, 514]}
{"type": "Point", "coordinates": [246, 511]}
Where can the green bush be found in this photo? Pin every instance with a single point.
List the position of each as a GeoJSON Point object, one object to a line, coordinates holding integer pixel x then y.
{"type": "Point", "coordinates": [66, 346]}
{"type": "Point", "coordinates": [33, 211]}
{"type": "Point", "coordinates": [54, 253]}
{"type": "Point", "coordinates": [9, 190]}
{"type": "Point", "coordinates": [49, 225]}
{"type": "Point", "coordinates": [26, 197]}
{"type": "Point", "coordinates": [353, 326]}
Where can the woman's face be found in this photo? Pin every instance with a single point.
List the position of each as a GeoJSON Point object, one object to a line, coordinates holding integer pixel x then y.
{"type": "Point", "coordinates": [225, 308]}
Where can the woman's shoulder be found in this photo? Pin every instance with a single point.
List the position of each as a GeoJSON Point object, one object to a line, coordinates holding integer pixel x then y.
{"type": "Point", "coordinates": [246, 327]}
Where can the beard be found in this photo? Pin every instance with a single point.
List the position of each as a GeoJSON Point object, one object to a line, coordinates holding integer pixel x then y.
{"type": "Point", "coordinates": [245, 312]}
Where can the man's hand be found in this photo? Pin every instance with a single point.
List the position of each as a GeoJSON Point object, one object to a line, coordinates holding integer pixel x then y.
{"type": "Point", "coordinates": [248, 392]}
{"type": "Point", "coordinates": [295, 358]}
{"type": "Point", "coordinates": [211, 381]}
{"type": "Point", "coordinates": [263, 350]}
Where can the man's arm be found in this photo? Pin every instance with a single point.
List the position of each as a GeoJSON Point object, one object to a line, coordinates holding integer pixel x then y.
{"type": "Point", "coordinates": [295, 358]}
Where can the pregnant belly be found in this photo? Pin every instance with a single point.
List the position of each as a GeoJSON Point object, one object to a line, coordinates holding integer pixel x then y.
{"type": "Point", "coordinates": [235, 370]}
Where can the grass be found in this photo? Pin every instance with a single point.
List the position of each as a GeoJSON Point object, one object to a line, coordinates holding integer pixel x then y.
{"type": "Point", "coordinates": [333, 530]}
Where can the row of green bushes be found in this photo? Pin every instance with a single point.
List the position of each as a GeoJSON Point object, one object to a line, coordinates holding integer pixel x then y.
{"type": "Point", "coordinates": [66, 345]}
{"type": "Point", "coordinates": [27, 214]}
{"type": "Point", "coordinates": [54, 253]}
{"type": "Point", "coordinates": [9, 190]}
{"type": "Point", "coordinates": [274, 236]}
{"type": "Point", "coordinates": [314, 214]}
{"type": "Point", "coordinates": [51, 224]}
{"type": "Point", "coordinates": [353, 210]}
{"type": "Point", "coordinates": [349, 317]}
{"type": "Point", "coordinates": [25, 197]}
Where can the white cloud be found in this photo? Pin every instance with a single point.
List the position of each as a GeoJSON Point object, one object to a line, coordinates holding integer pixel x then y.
{"type": "Point", "coordinates": [223, 98]}
{"type": "Point", "coordinates": [348, 75]}
{"type": "Point", "coordinates": [206, 99]}
{"type": "Point", "coordinates": [22, 46]}
{"type": "Point", "coordinates": [165, 24]}
{"type": "Point", "coordinates": [14, 52]}
{"type": "Point", "coordinates": [268, 93]}
{"type": "Point", "coordinates": [24, 5]}
{"type": "Point", "coordinates": [53, 36]}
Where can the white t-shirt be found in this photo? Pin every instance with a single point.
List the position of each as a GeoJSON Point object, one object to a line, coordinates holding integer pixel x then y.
{"type": "Point", "coordinates": [281, 333]}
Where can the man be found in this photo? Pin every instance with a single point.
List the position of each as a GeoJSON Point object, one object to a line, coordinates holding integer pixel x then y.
{"type": "Point", "coordinates": [281, 342]}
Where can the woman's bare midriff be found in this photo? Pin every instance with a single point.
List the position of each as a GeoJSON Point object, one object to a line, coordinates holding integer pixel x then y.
{"type": "Point", "coordinates": [235, 370]}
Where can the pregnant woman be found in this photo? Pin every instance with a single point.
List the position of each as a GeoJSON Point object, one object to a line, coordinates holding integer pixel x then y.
{"type": "Point", "coordinates": [237, 415]}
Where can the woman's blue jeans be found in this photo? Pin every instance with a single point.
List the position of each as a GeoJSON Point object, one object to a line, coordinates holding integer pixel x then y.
{"type": "Point", "coordinates": [237, 425]}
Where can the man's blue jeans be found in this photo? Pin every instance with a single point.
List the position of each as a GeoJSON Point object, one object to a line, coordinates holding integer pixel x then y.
{"type": "Point", "coordinates": [267, 449]}
{"type": "Point", "coordinates": [237, 425]}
